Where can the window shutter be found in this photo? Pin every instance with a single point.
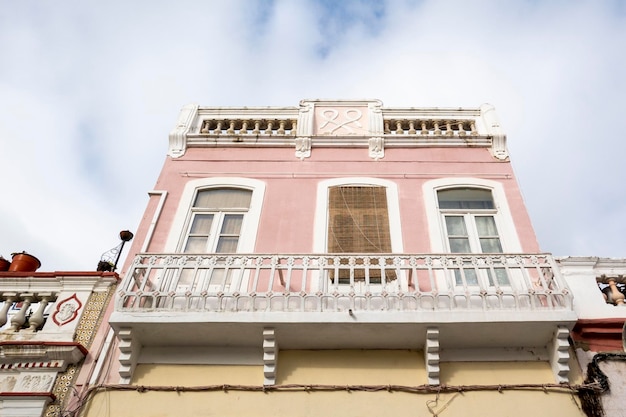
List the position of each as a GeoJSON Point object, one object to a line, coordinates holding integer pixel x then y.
{"type": "Point", "coordinates": [359, 223]}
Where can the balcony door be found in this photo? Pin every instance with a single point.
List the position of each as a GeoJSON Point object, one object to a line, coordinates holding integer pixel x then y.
{"type": "Point", "coordinates": [358, 225]}
{"type": "Point", "coordinates": [216, 220]}
{"type": "Point", "coordinates": [469, 219]}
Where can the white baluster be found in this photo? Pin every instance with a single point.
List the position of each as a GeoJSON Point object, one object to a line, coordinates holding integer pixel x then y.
{"type": "Point", "coordinates": [244, 128]}
{"type": "Point", "coordinates": [473, 128]}
{"type": "Point", "coordinates": [281, 129]}
{"type": "Point", "coordinates": [36, 320]}
{"type": "Point", "coordinates": [437, 130]}
{"type": "Point", "coordinates": [412, 130]}
{"type": "Point", "coordinates": [461, 130]}
{"type": "Point", "coordinates": [449, 131]}
{"type": "Point", "coordinates": [257, 127]}
{"type": "Point", "coordinates": [270, 126]}
{"type": "Point", "coordinates": [399, 130]}
{"type": "Point", "coordinates": [218, 128]}
{"type": "Point", "coordinates": [18, 320]}
{"type": "Point", "coordinates": [231, 129]}
{"type": "Point", "coordinates": [206, 127]}
{"type": "Point", "coordinates": [4, 312]}
{"type": "Point", "coordinates": [424, 130]}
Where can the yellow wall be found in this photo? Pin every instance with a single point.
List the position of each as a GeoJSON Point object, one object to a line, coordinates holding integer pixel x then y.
{"type": "Point", "coordinates": [358, 367]}
{"type": "Point", "coordinates": [337, 368]}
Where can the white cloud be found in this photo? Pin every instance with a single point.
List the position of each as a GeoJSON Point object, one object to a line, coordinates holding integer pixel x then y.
{"type": "Point", "coordinates": [90, 90]}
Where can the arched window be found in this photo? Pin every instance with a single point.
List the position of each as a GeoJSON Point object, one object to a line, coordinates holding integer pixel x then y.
{"type": "Point", "coordinates": [217, 215]}
{"type": "Point", "coordinates": [469, 219]}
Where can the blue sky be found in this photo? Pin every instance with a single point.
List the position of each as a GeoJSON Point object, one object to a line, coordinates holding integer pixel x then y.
{"type": "Point", "coordinates": [90, 90]}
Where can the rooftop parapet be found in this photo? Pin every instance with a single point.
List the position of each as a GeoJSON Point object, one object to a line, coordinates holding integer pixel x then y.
{"type": "Point", "coordinates": [337, 123]}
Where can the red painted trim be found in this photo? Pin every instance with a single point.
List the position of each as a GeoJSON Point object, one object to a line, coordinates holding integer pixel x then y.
{"type": "Point", "coordinates": [6, 274]}
{"type": "Point", "coordinates": [74, 314]}
{"type": "Point", "coordinates": [600, 335]}
{"type": "Point", "coordinates": [28, 394]}
{"type": "Point", "coordinates": [80, 347]}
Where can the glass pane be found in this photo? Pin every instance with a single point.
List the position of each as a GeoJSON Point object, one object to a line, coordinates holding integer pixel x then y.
{"type": "Point", "coordinates": [486, 226]}
{"type": "Point", "coordinates": [196, 244]}
{"type": "Point", "coordinates": [465, 198]}
{"type": "Point", "coordinates": [459, 245]}
{"type": "Point", "coordinates": [502, 277]}
{"type": "Point", "coordinates": [456, 226]}
{"type": "Point", "coordinates": [227, 244]}
{"type": "Point", "coordinates": [201, 224]}
{"type": "Point", "coordinates": [470, 277]}
{"type": "Point", "coordinates": [231, 224]}
{"type": "Point", "coordinates": [223, 198]}
{"type": "Point", "coordinates": [490, 245]}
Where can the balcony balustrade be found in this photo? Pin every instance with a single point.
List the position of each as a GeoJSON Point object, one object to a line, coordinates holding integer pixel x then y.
{"type": "Point", "coordinates": [26, 311]}
{"type": "Point", "coordinates": [430, 127]}
{"type": "Point", "coordinates": [613, 289]}
{"type": "Point", "coordinates": [342, 282]}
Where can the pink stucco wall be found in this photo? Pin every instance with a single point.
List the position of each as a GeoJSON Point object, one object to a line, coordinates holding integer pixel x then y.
{"type": "Point", "coordinates": [288, 212]}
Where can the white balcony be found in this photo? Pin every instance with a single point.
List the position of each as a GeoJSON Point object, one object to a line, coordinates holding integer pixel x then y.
{"type": "Point", "coordinates": [343, 300]}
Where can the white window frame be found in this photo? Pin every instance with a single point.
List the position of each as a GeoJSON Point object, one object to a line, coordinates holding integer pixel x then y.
{"type": "Point", "coordinates": [320, 237]}
{"type": "Point", "coordinates": [502, 214]}
{"type": "Point", "coordinates": [249, 227]}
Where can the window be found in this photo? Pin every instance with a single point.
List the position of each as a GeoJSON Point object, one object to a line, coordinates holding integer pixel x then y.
{"type": "Point", "coordinates": [219, 214]}
{"type": "Point", "coordinates": [216, 218]}
{"type": "Point", "coordinates": [358, 222]}
{"type": "Point", "coordinates": [469, 220]}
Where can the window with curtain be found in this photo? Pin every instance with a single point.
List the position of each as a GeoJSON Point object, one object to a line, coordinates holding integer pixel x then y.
{"type": "Point", "coordinates": [358, 222]}
{"type": "Point", "coordinates": [469, 218]}
{"type": "Point", "coordinates": [216, 219]}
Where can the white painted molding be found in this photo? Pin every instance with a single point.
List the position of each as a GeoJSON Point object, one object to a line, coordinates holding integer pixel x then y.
{"type": "Point", "coordinates": [178, 136]}
{"type": "Point", "coordinates": [270, 356]}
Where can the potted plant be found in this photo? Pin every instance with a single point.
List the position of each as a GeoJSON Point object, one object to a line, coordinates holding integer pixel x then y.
{"type": "Point", "coordinates": [24, 262]}
{"type": "Point", "coordinates": [4, 264]}
{"type": "Point", "coordinates": [105, 266]}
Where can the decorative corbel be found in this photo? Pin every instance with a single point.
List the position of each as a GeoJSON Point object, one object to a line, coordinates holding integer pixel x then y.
{"type": "Point", "coordinates": [303, 147]}
{"type": "Point", "coordinates": [498, 138]}
{"type": "Point", "coordinates": [431, 355]}
{"type": "Point", "coordinates": [178, 136]}
{"type": "Point", "coordinates": [270, 356]}
{"type": "Point", "coordinates": [559, 355]}
{"type": "Point", "coordinates": [376, 148]}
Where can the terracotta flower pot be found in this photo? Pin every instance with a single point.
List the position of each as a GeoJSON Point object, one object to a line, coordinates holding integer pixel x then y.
{"type": "Point", "coordinates": [4, 264]}
{"type": "Point", "coordinates": [24, 262]}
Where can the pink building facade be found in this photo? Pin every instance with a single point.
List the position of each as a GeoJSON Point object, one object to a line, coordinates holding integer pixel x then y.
{"type": "Point", "coordinates": [329, 229]}
{"type": "Point", "coordinates": [457, 240]}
